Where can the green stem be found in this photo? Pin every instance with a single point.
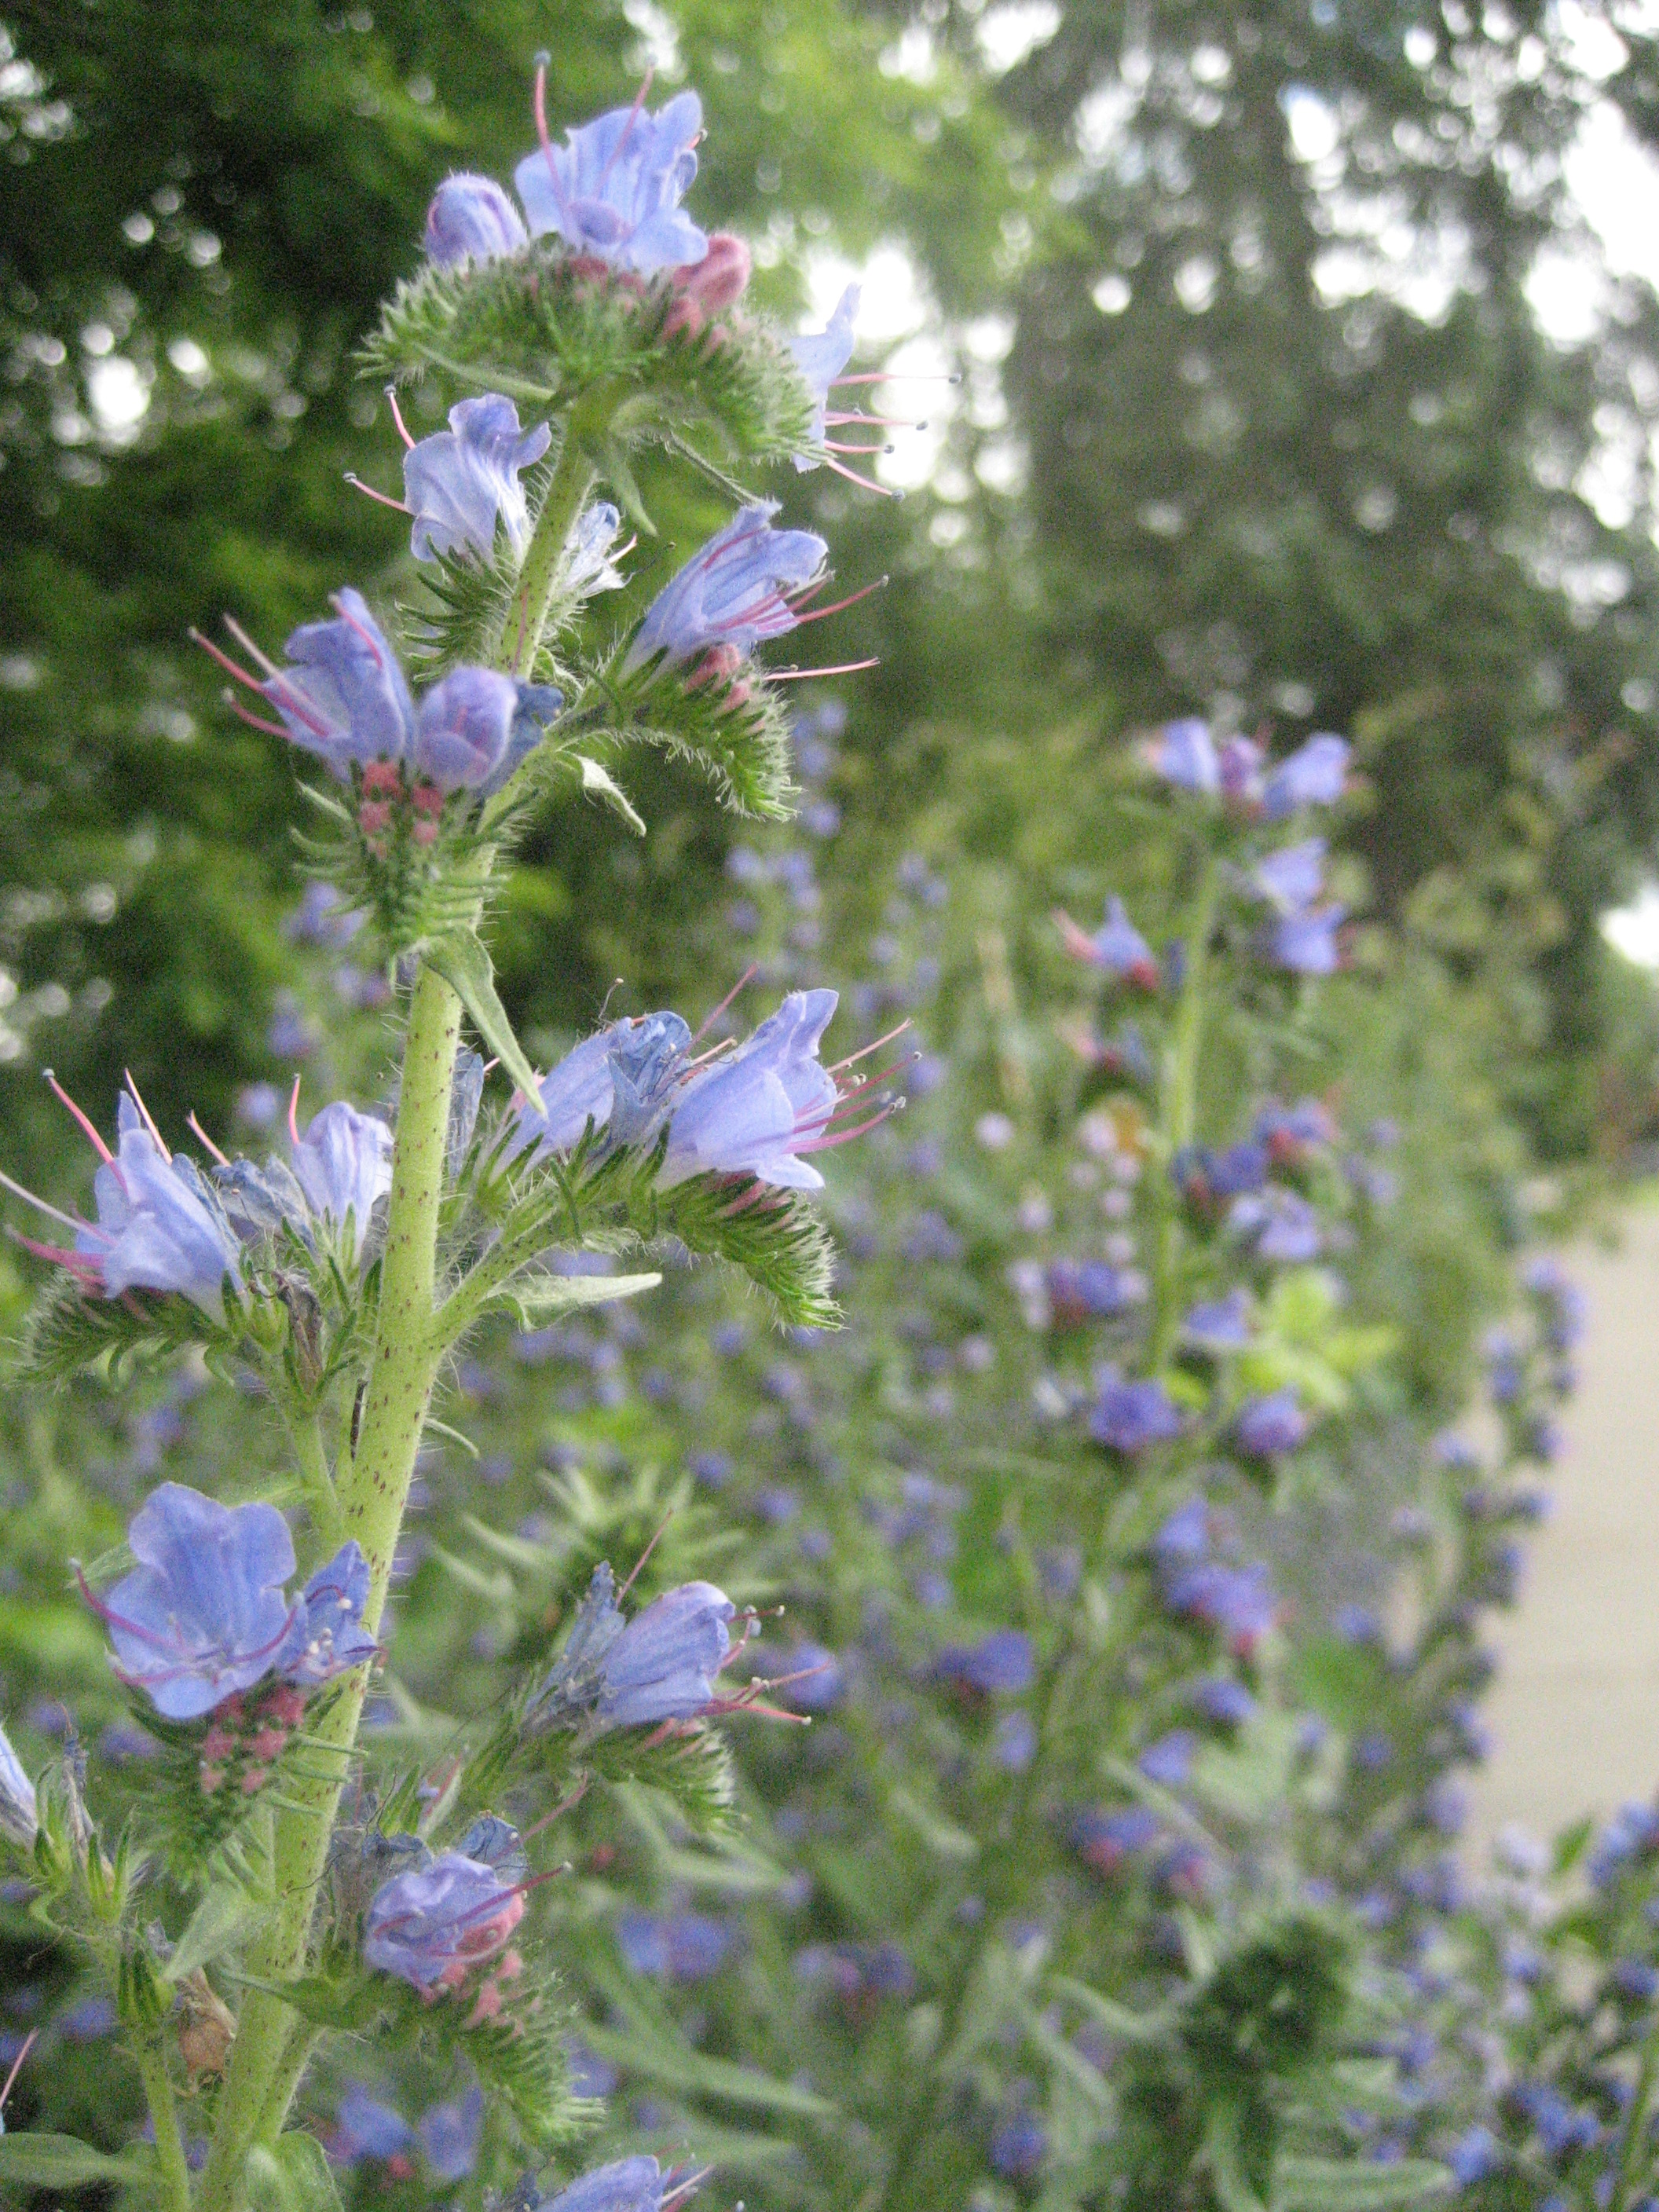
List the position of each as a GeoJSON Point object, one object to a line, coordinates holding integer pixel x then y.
{"type": "Point", "coordinates": [163, 2111]}
{"type": "Point", "coordinates": [312, 1459]}
{"type": "Point", "coordinates": [586, 426]}
{"type": "Point", "coordinates": [1178, 1110]}
{"type": "Point", "coordinates": [1636, 2125]}
{"type": "Point", "coordinates": [372, 1490]}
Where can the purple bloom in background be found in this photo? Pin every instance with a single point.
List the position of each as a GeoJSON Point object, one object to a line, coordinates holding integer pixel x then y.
{"type": "Point", "coordinates": [1183, 754]}
{"type": "Point", "coordinates": [1239, 1601]}
{"type": "Point", "coordinates": [475, 728]}
{"type": "Point", "coordinates": [1129, 1417]}
{"type": "Point", "coordinates": [366, 2129]}
{"type": "Point", "coordinates": [344, 1164]}
{"type": "Point", "coordinates": [1001, 1664]}
{"type": "Point", "coordinates": [614, 188]}
{"type": "Point", "coordinates": [1306, 943]}
{"type": "Point", "coordinates": [17, 1810]}
{"type": "Point", "coordinates": [1170, 1760]}
{"type": "Point", "coordinates": [1240, 764]}
{"type": "Point", "coordinates": [1291, 878]}
{"type": "Point", "coordinates": [823, 1681]}
{"type": "Point", "coordinates": [1221, 1700]}
{"type": "Point", "coordinates": [729, 593]}
{"type": "Point", "coordinates": [472, 219]}
{"type": "Point", "coordinates": [821, 357]}
{"type": "Point", "coordinates": [1222, 1325]}
{"type": "Point", "coordinates": [1288, 1132]}
{"type": "Point", "coordinates": [204, 1614]}
{"type": "Point", "coordinates": [1117, 947]}
{"type": "Point", "coordinates": [1270, 1424]}
{"type": "Point", "coordinates": [582, 1087]}
{"type": "Point", "coordinates": [435, 1924]}
{"type": "Point", "coordinates": [1104, 1840]}
{"type": "Point", "coordinates": [1280, 1223]}
{"type": "Point", "coordinates": [1313, 775]}
{"type": "Point", "coordinates": [628, 2185]}
{"type": "Point", "coordinates": [462, 483]}
{"type": "Point", "coordinates": [684, 1947]}
{"type": "Point", "coordinates": [1475, 2157]}
{"type": "Point", "coordinates": [1014, 1741]}
{"type": "Point", "coordinates": [450, 2134]}
{"type": "Point", "coordinates": [1018, 2147]}
{"type": "Point", "coordinates": [1185, 1535]}
{"type": "Point", "coordinates": [1092, 1290]}
{"type": "Point", "coordinates": [662, 1666]}
{"type": "Point", "coordinates": [344, 696]}
{"type": "Point", "coordinates": [759, 1109]}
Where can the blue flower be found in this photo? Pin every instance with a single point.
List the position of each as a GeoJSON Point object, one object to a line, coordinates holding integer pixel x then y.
{"type": "Point", "coordinates": [1185, 1535]}
{"type": "Point", "coordinates": [1014, 1741]}
{"type": "Point", "coordinates": [1306, 943]}
{"type": "Point", "coordinates": [462, 483]}
{"type": "Point", "coordinates": [1291, 878]}
{"type": "Point", "coordinates": [450, 2134]}
{"type": "Point", "coordinates": [436, 1924]}
{"type": "Point", "coordinates": [1267, 1425]}
{"type": "Point", "coordinates": [1313, 775]}
{"type": "Point", "coordinates": [366, 2129]}
{"type": "Point", "coordinates": [1222, 1326]}
{"type": "Point", "coordinates": [1237, 1601]}
{"type": "Point", "coordinates": [821, 357]}
{"type": "Point", "coordinates": [475, 728]}
{"type": "Point", "coordinates": [203, 1615]}
{"type": "Point", "coordinates": [1092, 1290]}
{"type": "Point", "coordinates": [1001, 1664]}
{"type": "Point", "coordinates": [1183, 754]}
{"type": "Point", "coordinates": [344, 696]}
{"type": "Point", "coordinates": [1168, 1762]}
{"type": "Point", "coordinates": [760, 1110]}
{"type": "Point", "coordinates": [1475, 2157]}
{"type": "Point", "coordinates": [650, 1049]}
{"type": "Point", "coordinates": [731, 594]}
{"type": "Point", "coordinates": [1104, 1840]}
{"type": "Point", "coordinates": [1117, 947]}
{"type": "Point", "coordinates": [342, 1164]}
{"type": "Point", "coordinates": [614, 188]}
{"type": "Point", "coordinates": [684, 1947]}
{"type": "Point", "coordinates": [1221, 1700]}
{"type": "Point", "coordinates": [627, 2185]}
{"type": "Point", "coordinates": [663, 1665]}
{"type": "Point", "coordinates": [587, 564]}
{"type": "Point", "coordinates": [1283, 1226]}
{"type": "Point", "coordinates": [1129, 1417]}
{"type": "Point", "coordinates": [17, 1811]}
{"type": "Point", "coordinates": [1018, 2147]}
{"type": "Point", "coordinates": [472, 219]}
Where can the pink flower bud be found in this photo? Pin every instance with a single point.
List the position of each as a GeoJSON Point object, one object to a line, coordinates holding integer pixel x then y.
{"type": "Point", "coordinates": [372, 816]}
{"type": "Point", "coordinates": [380, 775]}
{"type": "Point", "coordinates": [721, 278]}
{"type": "Point", "coordinates": [720, 663]}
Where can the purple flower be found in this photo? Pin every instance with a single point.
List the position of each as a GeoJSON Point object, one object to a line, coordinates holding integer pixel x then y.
{"type": "Point", "coordinates": [366, 2129]}
{"type": "Point", "coordinates": [582, 1088]}
{"type": "Point", "coordinates": [1117, 947]}
{"type": "Point", "coordinates": [1313, 775]}
{"type": "Point", "coordinates": [821, 357]}
{"type": "Point", "coordinates": [1475, 2157]}
{"type": "Point", "coordinates": [759, 1111]}
{"type": "Point", "coordinates": [1018, 2147]}
{"type": "Point", "coordinates": [1221, 1700]}
{"type": "Point", "coordinates": [1185, 1535]}
{"type": "Point", "coordinates": [1306, 943]}
{"type": "Point", "coordinates": [1240, 767]}
{"type": "Point", "coordinates": [472, 219]}
{"type": "Point", "coordinates": [823, 1681]}
{"type": "Point", "coordinates": [587, 564]}
{"type": "Point", "coordinates": [1270, 1424]}
{"type": "Point", "coordinates": [435, 1925]}
{"type": "Point", "coordinates": [1129, 1417]}
{"type": "Point", "coordinates": [1001, 1664]}
{"type": "Point", "coordinates": [1282, 1225]}
{"type": "Point", "coordinates": [1014, 1741]}
{"type": "Point", "coordinates": [1168, 1762]}
{"type": "Point", "coordinates": [1239, 1601]}
{"type": "Point", "coordinates": [343, 696]}
{"type": "Point", "coordinates": [662, 1666]}
{"type": "Point", "coordinates": [628, 2185]}
{"type": "Point", "coordinates": [475, 728]}
{"type": "Point", "coordinates": [17, 1811]}
{"type": "Point", "coordinates": [1092, 1290]}
{"type": "Point", "coordinates": [343, 1166]}
{"type": "Point", "coordinates": [1288, 1132]}
{"type": "Point", "coordinates": [1222, 1325]}
{"type": "Point", "coordinates": [1104, 1840]}
{"type": "Point", "coordinates": [732, 593]}
{"type": "Point", "coordinates": [462, 483]}
{"type": "Point", "coordinates": [1291, 878]}
{"type": "Point", "coordinates": [684, 1947]}
{"type": "Point", "coordinates": [613, 190]}
{"type": "Point", "coordinates": [450, 2134]}
{"type": "Point", "coordinates": [204, 1614]}
{"type": "Point", "coordinates": [1183, 754]}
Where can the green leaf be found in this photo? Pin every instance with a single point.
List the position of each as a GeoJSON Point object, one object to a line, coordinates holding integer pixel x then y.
{"type": "Point", "coordinates": [599, 783]}
{"type": "Point", "coordinates": [293, 2177]}
{"type": "Point", "coordinates": [1127, 2027]}
{"type": "Point", "coordinates": [40, 2161]}
{"type": "Point", "coordinates": [1329, 2184]}
{"type": "Point", "coordinates": [462, 960]}
{"type": "Point", "coordinates": [650, 2044]}
{"type": "Point", "coordinates": [541, 1298]}
{"type": "Point", "coordinates": [942, 1836]}
{"type": "Point", "coordinates": [225, 1915]}
{"type": "Point", "coordinates": [618, 473]}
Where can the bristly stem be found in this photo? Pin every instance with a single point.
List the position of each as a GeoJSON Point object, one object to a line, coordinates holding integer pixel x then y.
{"type": "Point", "coordinates": [586, 427]}
{"type": "Point", "coordinates": [1178, 1107]}
{"type": "Point", "coordinates": [372, 1491]}
{"type": "Point", "coordinates": [311, 1456]}
{"type": "Point", "coordinates": [164, 2114]}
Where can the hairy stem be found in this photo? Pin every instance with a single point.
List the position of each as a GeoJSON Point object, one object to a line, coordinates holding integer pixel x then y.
{"type": "Point", "coordinates": [163, 2111]}
{"type": "Point", "coordinates": [573, 479]}
{"type": "Point", "coordinates": [1178, 1110]}
{"type": "Point", "coordinates": [372, 1490]}
{"type": "Point", "coordinates": [312, 1459]}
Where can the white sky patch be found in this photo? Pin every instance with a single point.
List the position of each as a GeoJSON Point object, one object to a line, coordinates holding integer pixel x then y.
{"type": "Point", "coordinates": [899, 321]}
{"type": "Point", "coordinates": [1009, 35]}
{"type": "Point", "coordinates": [1633, 930]}
{"type": "Point", "coordinates": [118, 397]}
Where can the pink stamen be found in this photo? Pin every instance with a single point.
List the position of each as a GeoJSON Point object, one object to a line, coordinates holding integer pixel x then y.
{"type": "Point", "coordinates": [863, 483]}
{"type": "Point", "coordinates": [230, 666]}
{"type": "Point", "coordinates": [253, 721]}
{"type": "Point", "coordinates": [248, 646]}
{"type": "Point", "coordinates": [752, 1196]}
{"type": "Point", "coordinates": [193, 1123]}
{"type": "Point", "coordinates": [566, 1804]}
{"type": "Point", "coordinates": [538, 105]}
{"type": "Point", "coordinates": [17, 2067]}
{"type": "Point", "coordinates": [293, 1109]}
{"type": "Point", "coordinates": [352, 623]}
{"type": "Point", "coordinates": [829, 1138]}
{"type": "Point", "coordinates": [865, 1051]}
{"type": "Point", "coordinates": [369, 492]}
{"type": "Point", "coordinates": [64, 1099]}
{"type": "Point", "coordinates": [143, 1109]}
{"type": "Point", "coordinates": [298, 705]}
{"type": "Point", "coordinates": [896, 376]}
{"type": "Point", "coordinates": [839, 417]}
{"type": "Point", "coordinates": [85, 1272]}
{"type": "Point", "coordinates": [839, 446]}
{"type": "Point", "coordinates": [396, 415]}
{"type": "Point", "coordinates": [678, 2195]}
{"type": "Point", "coordinates": [818, 614]}
{"type": "Point", "coordinates": [643, 1556]}
{"type": "Point", "coordinates": [633, 118]}
{"type": "Point", "coordinates": [804, 675]}
{"type": "Point", "coordinates": [708, 1019]}
{"type": "Point", "coordinates": [747, 1704]}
